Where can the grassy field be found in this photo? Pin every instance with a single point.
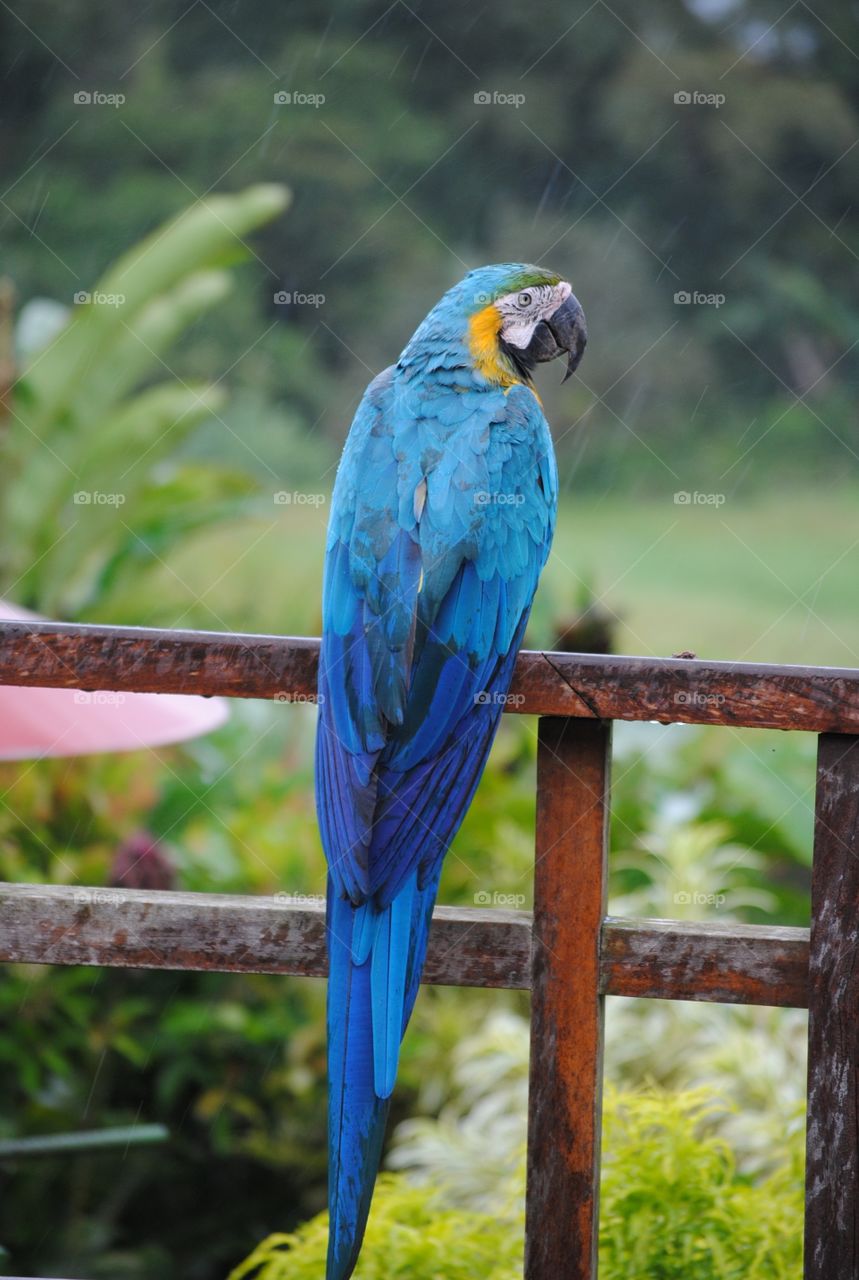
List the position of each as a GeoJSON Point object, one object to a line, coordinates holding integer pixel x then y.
{"type": "Point", "coordinates": [776, 580]}
{"type": "Point", "coordinates": [770, 580]}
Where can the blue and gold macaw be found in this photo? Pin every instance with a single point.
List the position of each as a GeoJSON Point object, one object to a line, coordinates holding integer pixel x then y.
{"type": "Point", "coordinates": [441, 521]}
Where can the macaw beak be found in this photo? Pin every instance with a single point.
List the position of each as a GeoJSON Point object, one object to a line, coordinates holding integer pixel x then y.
{"type": "Point", "coordinates": [565, 330]}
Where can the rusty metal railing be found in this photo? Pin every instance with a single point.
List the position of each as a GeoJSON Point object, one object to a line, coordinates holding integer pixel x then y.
{"type": "Point", "coordinates": [569, 953]}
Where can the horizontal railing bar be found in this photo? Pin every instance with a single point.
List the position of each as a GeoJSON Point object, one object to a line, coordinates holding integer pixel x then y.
{"type": "Point", "coordinates": [277, 934]}
{"type": "Point", "coordinates": [682, 690]}
{"type": "Point", "coordinates": [469, 947]}
{"type": "Point", "coordinates": [712, 961]}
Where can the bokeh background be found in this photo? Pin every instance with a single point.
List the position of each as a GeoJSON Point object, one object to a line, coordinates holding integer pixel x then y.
{"type": "Point", "coordinates": [219, 221]}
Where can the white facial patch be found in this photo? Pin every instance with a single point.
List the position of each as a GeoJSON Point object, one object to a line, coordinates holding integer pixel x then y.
{"type": "Point", "coordinates": [521, 312]}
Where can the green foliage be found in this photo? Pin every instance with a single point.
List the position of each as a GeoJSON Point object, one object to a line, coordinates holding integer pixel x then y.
{"type": "Point", "coordinates": [468, 1133]}
{"type": "Point", "coordinates": [686, 1189]}
{"type": "Point", "coordinates": [753, 1059]}
{"type": "Point", "coordinates": [232, 1067]}
{"type": "Point", "coordinates": [93, 490]}
{"type": "Point", "coordinates": [712, 823]}
{"type": "Point", "coordinates": [410, 1235]}
{"type": "Point", "coordinates": [673, 1206]}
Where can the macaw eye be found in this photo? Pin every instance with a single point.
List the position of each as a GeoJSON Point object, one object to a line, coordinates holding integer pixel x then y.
{"type": "Point", "coordinates": [524, 299]}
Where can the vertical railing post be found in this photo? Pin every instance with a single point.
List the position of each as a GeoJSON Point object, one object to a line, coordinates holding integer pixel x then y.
{"type": "Point", "coordinates": [565, 1101]}
{"type": "Point", "coordinates": [832, 1155]}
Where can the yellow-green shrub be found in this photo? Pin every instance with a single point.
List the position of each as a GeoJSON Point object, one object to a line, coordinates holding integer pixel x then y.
{"type": "Point", "coordinates": [673, 1207]}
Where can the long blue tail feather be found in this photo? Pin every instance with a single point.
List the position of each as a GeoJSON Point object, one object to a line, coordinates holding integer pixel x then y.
{"type": "Point", "coordinates": [362, 1067]}
{"type": "Point", "coordinates": [390, 963]}
{"type": "Point", "coordinates": [356, 1116]}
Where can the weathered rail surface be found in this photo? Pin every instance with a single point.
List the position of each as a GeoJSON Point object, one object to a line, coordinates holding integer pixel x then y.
{"type": "Point", "coordinates": [681, 690]}
{"type": "Point", "coordinates": [469, 946]}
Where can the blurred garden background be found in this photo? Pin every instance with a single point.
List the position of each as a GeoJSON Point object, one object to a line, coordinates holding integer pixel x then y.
{"type": "Point", "coordinates": [219, 220]}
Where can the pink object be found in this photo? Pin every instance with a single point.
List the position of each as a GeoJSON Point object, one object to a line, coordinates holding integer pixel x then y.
{"type": "Point", "coordinates": [35, 723]}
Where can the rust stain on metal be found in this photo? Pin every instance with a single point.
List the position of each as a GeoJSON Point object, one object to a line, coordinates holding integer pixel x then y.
{"type": "Point", "coordinates": [731, 964]}
{"type": "Point", "coordinates": [684, 690]}
{"type": "Point", "coordinates": [566, 1005]}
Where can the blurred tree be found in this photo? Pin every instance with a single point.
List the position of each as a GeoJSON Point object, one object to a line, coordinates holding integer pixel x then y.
{"type": "Point", "coordinates": [401, 176]}
{"type": "Point", "coordinates": [84, 442]}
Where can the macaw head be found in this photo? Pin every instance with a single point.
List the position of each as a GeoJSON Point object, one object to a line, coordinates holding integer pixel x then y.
{"type": "Point", "coordinates": [509, 317]}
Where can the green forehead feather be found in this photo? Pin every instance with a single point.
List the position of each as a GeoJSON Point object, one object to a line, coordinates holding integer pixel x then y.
{"type": "Point", "coordinates": [529, 279]}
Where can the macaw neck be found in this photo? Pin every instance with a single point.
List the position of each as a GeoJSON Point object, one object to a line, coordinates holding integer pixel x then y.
{"type": "Point", "coordinates": [470, 361]}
